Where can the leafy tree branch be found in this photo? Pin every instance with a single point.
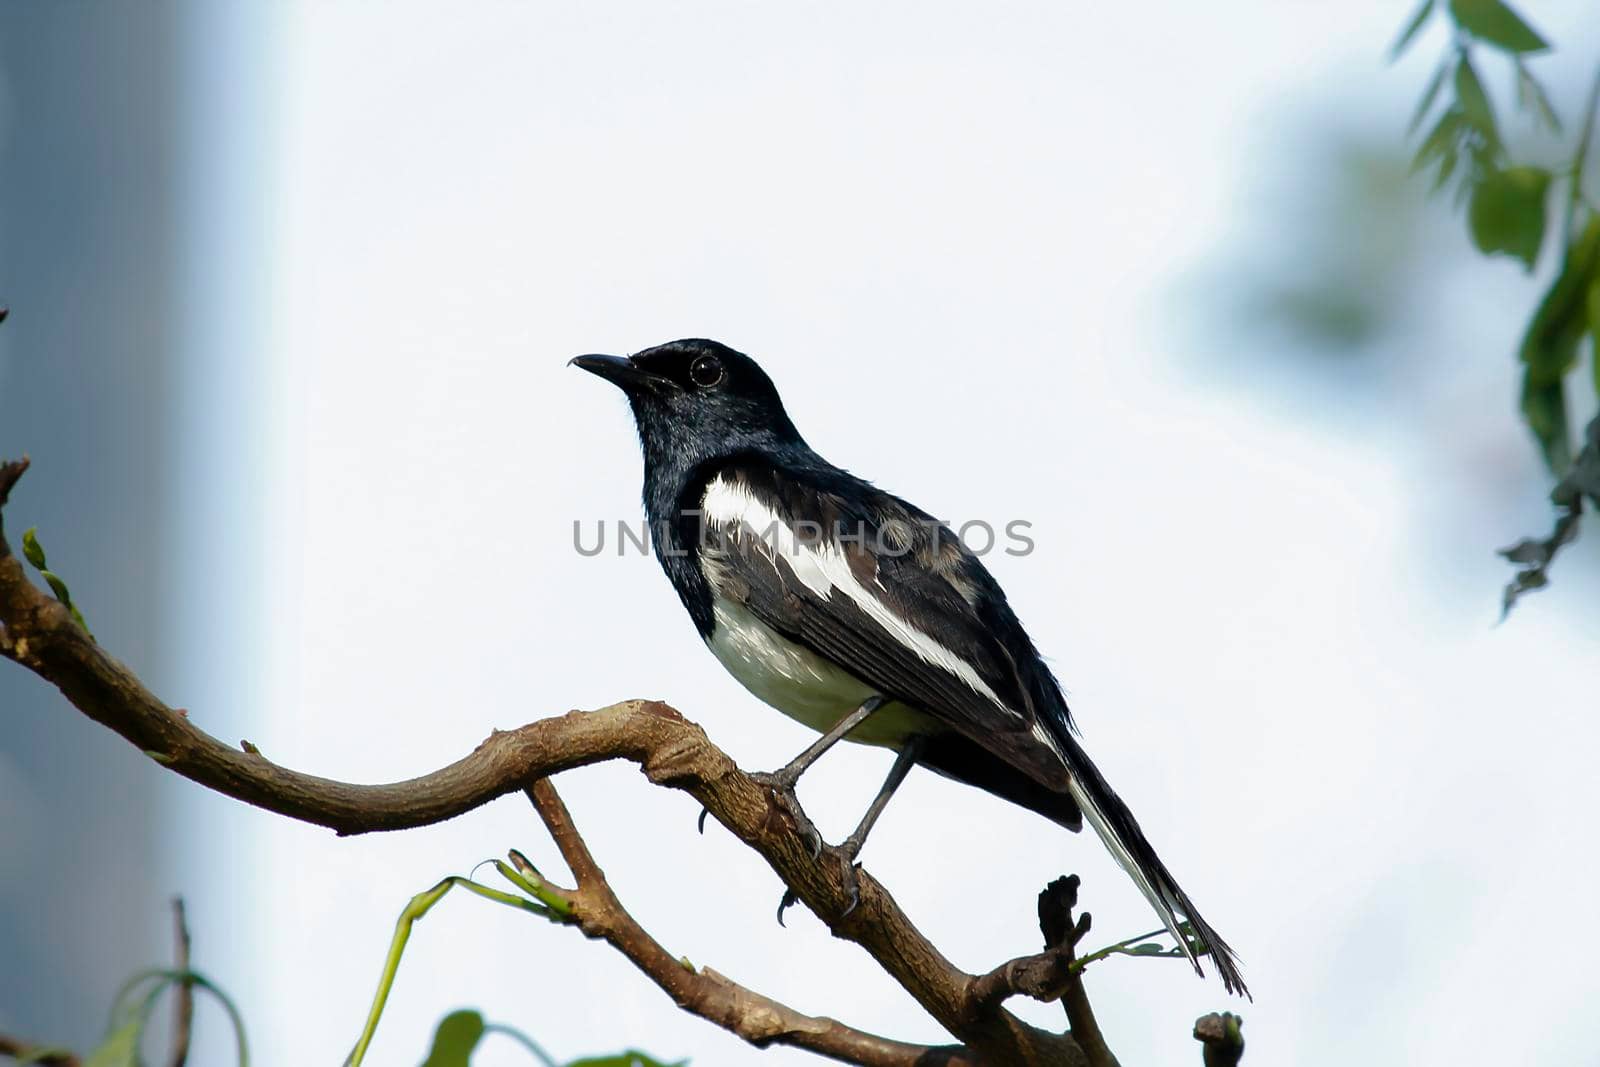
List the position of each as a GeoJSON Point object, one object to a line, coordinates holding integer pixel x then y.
{"type": "Point", "coordinates": [1509, 213]}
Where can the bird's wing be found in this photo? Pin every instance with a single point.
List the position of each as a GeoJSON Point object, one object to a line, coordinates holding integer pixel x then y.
{"type": "Point", "coordinates": [914, 615]}
{"type": "Point", "coordinates": [880, 589]}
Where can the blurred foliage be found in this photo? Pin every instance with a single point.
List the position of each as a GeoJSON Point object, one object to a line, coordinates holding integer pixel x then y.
{"type": "Point", "coordinates": [1318, 283]}
{"type": "Point", "coordinates": [459, 1033]}
{"type": "Point", "coordinates": [131, 1011]}
{"type": "Point", "coordinates": [135, 1003]}
{"type": "Point", "coordinates": [1509, 214]}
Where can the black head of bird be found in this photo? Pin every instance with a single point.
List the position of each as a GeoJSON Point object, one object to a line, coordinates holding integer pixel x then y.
{"type": "Point", "coordinates": [693, 399]}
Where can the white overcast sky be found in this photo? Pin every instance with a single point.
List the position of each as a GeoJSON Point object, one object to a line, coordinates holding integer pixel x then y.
{"type": "Point", "coordinates": [962, 239]}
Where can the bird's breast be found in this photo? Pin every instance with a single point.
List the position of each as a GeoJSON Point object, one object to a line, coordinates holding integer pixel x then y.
{"type": "Point", "coordinates": [803, 685]}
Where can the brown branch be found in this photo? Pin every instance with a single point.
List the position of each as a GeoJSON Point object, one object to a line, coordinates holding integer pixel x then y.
{"type": "Point", "coordinates": [701, 991]}
{"type": "Point", "coordinates": [183, 999]}
{"type": "Point", "coordinates": [1221, 1037]}
{"type": "Point", "coordinates": [12, 1047]}
{"type": "Point", "coordinates": [1049, 975]}
{"type": "Point", "coordinates": [37, 632]}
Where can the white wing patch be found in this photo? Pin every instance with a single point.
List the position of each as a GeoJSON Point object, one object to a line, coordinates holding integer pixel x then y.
{"type": "Point", "coordinates": [822, 568]}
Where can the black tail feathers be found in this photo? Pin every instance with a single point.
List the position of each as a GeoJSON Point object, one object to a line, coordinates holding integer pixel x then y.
{"type": "Point", "coordinates": [1120, 833]}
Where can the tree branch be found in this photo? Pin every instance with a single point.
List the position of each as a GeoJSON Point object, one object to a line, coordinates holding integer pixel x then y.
{"type": "Point", "coordinates": [1221, 1038]}
{"type": "Point", "coordinates": [702, 991]}
{"type": "Point", "coordinates": [12, 1047]}
{"type": "Point", "coordinates": [183, 991]}
{"type": "Point", "coordinates": [38, 632]}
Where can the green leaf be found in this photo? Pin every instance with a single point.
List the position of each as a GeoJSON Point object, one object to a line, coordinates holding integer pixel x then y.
{"type": "Point", "coordinates": [57, 586]}
{"type": "Point", "coordinates": [1429, 95]}
{"type": "Point", "coordinates": [631, 1058]}
{"type": "Point", "coordinates": [120, 1048]}
{"type": "Point", "coordinates": [1507, 213]}
{"type": "Point", "coordinates": [1492, 21]}
{"type": "Point", "coordinates": [1474, 101]}
{"type": "Point", "coordinates": [453, 1041]}
{"type": "Point", "coordinates": [1544, 408]}
{"type": "Point", "coordinates": [1442, 142]}
{"type": "Point", "coordinates": [1550, 347]}
{"type": "Point", "coordinates": [1410, 32]}
{"type": "Point", "coordinates": [30, 548]}
{"type": "Point", "coordinates": [1531, 95]}
{"type": "Point", "coordinates": [1594, 331]}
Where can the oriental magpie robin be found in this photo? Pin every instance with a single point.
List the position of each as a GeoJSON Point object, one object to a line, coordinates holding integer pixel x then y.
{"type": "Point", "coordinates": [860, 615]}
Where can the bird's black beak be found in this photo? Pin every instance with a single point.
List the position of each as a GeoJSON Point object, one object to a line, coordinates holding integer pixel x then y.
{"type": "Point", "coordinates": [624, 373]}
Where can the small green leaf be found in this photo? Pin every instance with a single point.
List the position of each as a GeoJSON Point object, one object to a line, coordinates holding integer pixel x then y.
{"type": "Point", "coordinates": [631, 1058]}
{"type": "Point", "coordinates": [57, 586]}
{"type": "Point", "coordinates": [1531, 95]}
{"type": "Point", "coordinates": [1507, 213]}
{"type": "Point", "coordinates": [1474, 101]}
{"type": "Point", "coordinates": [1492, 21]}
{"type": "Point", "coordinates": [120, 1048]}
{"type": "Point", "coordinates": [1442, 142]}
{"type": "Point", "coordinates": [453, 1041]}
{"type": "Point", "coordinates": [1550, 347]}
{"type": "Point", "coordinates": [30, 548]}
{"type": "Point", "coordinates": [1447, 167]}
{"type": "Point", "coordinates": [1409, 34]}
{"type": "Point", "coordinates": [1429, 95]}
{"type": "Point", "coordinates": [1544, 407]}
{"type": "Point", "coordinates": [1594, 331]}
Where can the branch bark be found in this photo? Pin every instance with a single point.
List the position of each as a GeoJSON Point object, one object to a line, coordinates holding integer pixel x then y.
{"type": "Point", "coordinates": [18, 1049]}
{"type": "Point", "coordinates": [1221, 1038]}
{"type": "Point", "coordinates": [37, 632]}
{"type": "Point", "coordinates": [183, 991]}
{"type": "Point", "coordinates": [757, 1019]}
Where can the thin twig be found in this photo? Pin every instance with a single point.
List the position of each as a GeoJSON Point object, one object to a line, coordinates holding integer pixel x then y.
{"type": "Point", "coordinates": [1221, 1038]}
{"type": "Point", "coordinates": [183, 1000]}
{"type": "Point", "coordinates": [36, 1054]}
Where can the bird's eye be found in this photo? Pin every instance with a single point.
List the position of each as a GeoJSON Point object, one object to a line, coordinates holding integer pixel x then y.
{"type": "Point", "coordinates": [705, 371]}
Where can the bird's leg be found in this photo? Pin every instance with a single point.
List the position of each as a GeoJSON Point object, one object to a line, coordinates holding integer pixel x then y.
{"type": "Point", "coordinates": [781, 782]}
{"type": "Point", "coordinates": [851, 846]}
{"type": "Point", "coordinates": [791, 772]}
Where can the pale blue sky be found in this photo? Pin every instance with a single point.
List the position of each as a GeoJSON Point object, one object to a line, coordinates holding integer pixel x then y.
{"type": "Point", "coordinates": [965, 244]}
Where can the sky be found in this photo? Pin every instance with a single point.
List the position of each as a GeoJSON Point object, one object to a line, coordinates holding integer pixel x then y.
{"type": "Point", "coordinates": [968, 246]}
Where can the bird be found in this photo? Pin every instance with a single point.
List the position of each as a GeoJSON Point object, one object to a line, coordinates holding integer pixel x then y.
{"type": "Point", "coordinates": [861, 616]}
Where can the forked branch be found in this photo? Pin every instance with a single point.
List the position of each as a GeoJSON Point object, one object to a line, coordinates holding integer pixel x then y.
{"type": "Point", "coordinates": [37, 632]}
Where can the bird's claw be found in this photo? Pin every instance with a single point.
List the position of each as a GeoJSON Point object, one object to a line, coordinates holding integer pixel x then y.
{"type": "Point", "coordinates": [790, 899]}
{"type": "Point", "coordinates": [781, 795]}
{"type": "Point", "coordinates": [852, 887]}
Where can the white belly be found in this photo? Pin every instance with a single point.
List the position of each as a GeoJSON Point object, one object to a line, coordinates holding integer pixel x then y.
{"type": "Point", "coordinates": [801, 684]}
